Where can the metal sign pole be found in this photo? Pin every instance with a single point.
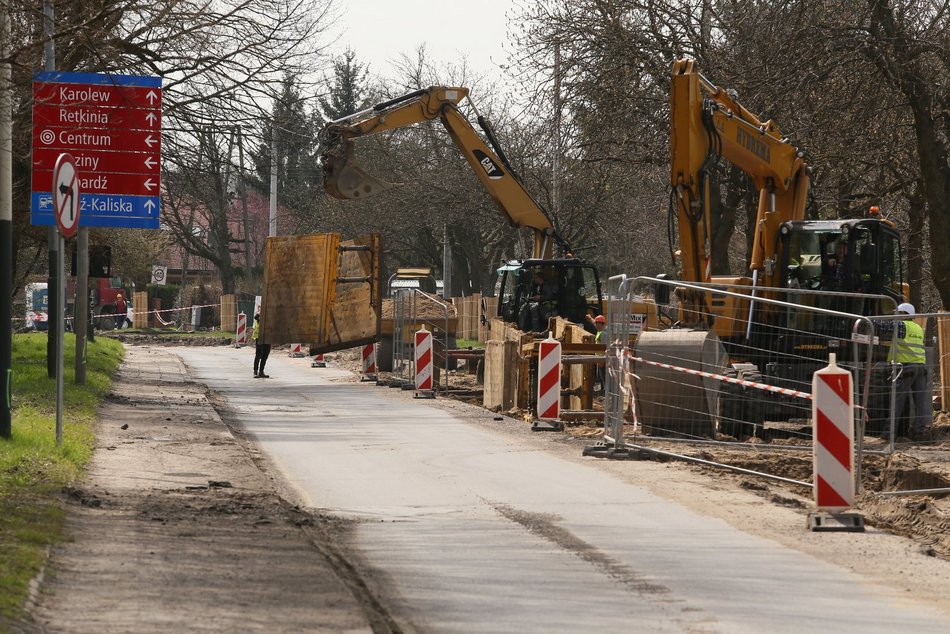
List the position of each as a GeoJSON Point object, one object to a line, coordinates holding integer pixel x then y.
{"type": "Point", "coordinates": [6, 234]}
{"type": "Point", "coordinates": [61, 301]}
{"type": "Point", "coordinates": [65, 186]}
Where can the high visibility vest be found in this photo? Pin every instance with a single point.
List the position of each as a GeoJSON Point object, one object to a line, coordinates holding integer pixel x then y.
{"type": "Point", "coordinates": [908, 346]}
{"type": "Point", "coordinates": [256, 330]}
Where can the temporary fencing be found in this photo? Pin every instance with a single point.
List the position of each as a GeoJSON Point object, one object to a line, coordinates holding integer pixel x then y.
{"type": "Point", "coordinates": [743, 378]}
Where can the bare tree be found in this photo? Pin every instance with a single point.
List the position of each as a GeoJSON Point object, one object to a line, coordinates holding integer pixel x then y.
{"type": "Point", "coordinates": [222, 63]}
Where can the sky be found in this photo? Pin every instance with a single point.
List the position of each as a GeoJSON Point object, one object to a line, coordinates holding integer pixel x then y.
{"type": "Point", "coordinates": [379, 31]}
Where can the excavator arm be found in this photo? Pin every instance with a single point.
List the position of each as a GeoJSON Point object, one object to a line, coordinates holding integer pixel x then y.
{"type": "Point", "coordinates": [706, 123]}
{"type": "Point", "coordinates": [343, 178]}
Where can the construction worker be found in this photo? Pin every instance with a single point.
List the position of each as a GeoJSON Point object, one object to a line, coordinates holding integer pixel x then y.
{"type": "Point", "coordinates": [261, 350]}
{"type": "Point", "coordinates": [600, 324]}
{"type": "Point", "coordinates": [121, 312]}
{"type": "Point", "coordinates": [908, 350]}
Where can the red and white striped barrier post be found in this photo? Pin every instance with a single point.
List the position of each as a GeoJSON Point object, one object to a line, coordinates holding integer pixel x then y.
{"type": "Point", "coordinates": [318, 361]}
{"type": "Point", "coordinates": [296, 350]}
{"type": "Point", "coordinates": [241, 337]}
{"type": "Point", "coordinates": [369, 362]}
{"type": "Point", "coordinates": [423, 358]}
{"type": "Point", "coordinates": [832, 412]}
{"type": "Point", "coordinates": [549, 386]}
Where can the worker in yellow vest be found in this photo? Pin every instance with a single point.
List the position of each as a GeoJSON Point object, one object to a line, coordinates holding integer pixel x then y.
{"type": "Point", "coordinates": [261, 350]}
{"type": "Point", "coordinates": [913, 390]}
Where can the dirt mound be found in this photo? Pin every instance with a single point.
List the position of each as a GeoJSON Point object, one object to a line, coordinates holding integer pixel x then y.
{"type": "Point", "coordinates": [425, 308]}
{"type": "Point", "coordinates": [168, 339]}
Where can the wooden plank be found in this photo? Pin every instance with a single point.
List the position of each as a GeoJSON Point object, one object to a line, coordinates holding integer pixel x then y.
{"type": "Point", "coordinates": [140, 312]}
{"type": "Point", "coordinates": [500, 379]}
{"type": "Point", "coordinates": [228, 313]}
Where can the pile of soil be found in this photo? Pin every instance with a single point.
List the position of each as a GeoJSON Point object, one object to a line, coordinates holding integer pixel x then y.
{"type": "Point", "coordinates": [923, 517]}
{"type": "Point", "coordinates": [425, 308]}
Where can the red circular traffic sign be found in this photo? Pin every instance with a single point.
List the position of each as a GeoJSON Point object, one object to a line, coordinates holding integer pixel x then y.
{"type": "Point", "coordinates": [66, 194]}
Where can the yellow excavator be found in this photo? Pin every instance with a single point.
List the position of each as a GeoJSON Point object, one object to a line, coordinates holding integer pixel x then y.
{"type": "Point", "coordinates": [724, 334]}
{"type": "Point", "coordinates": [572, 286]}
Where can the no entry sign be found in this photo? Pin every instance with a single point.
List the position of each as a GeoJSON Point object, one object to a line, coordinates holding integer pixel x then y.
{"type": "Point", "coordinates": [66, 194]}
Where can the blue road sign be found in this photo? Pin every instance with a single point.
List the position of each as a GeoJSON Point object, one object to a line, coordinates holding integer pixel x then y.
{"type": "Point", "coordinates": [102, 210]}
{"type": "Point", "coordinates": [97, 79]}
{"type": "Point", "coordinates": [90, 102]}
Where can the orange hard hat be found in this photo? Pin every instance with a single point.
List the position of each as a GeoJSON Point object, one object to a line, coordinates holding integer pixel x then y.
{"type": "Point", "coordinates": [600, 319]}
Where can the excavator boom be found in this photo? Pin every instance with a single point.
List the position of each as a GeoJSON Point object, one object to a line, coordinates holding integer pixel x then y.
{"type": "Point", "coordinates": [345, 179]}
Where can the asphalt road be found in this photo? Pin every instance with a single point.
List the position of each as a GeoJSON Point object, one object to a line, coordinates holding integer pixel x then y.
{"type": "Point", "coordinates": [465, 529]}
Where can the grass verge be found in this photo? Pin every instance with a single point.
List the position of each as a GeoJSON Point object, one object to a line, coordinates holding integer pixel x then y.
{"type": "Point", "coordinates": [33, 470]}
{"type": "Point", "coordinates": [469, 343]}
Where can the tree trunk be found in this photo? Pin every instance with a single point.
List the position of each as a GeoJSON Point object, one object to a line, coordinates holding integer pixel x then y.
{"type": "Point", "coordinates": [900, 67]}
{"type": "Point", "coordinates": [915, 240]}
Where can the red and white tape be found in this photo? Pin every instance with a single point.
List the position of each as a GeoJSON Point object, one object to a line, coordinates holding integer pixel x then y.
{"type": "Point", "coordinates": [727, 379]}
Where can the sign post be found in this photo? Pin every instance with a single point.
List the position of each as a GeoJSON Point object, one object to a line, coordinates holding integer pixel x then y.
{"type": "Point", "coordinates": [65, 185]}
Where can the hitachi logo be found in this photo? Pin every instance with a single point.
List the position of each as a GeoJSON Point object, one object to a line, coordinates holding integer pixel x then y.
{"type": "Point", "coordinates": [755, 145]}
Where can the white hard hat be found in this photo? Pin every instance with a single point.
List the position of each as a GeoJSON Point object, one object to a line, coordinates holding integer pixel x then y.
{"type": "Point", "coordinates": [906, 308]}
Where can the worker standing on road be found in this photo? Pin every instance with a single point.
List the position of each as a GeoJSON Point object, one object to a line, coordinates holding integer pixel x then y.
{"type": "Point", "coordinates": [908, 350]}
{"type": "Point", "coordinates": [261, 350]}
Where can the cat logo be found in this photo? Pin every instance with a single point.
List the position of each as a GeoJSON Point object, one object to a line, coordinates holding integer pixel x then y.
{"type": "Point", "coordinates": [491, 168]}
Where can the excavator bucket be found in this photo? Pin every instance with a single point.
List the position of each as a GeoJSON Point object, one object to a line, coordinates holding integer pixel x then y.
{"type": "Point", "coordinates": [343, 178]}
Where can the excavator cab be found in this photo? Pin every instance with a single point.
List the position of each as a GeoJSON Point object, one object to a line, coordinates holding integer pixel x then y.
{"type": "Point", "coordinates": [532, 291]}
{"type": "Point", "coordinates": [843, 256]}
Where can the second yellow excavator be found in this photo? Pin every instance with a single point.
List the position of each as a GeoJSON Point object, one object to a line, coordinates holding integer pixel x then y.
{"type": "Point", "coordinates": [851, 266]}
{"type": "Point", "coordinates": [531, 290]}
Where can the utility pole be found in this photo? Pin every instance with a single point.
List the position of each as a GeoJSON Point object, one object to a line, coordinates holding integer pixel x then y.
{"type": "Point", "coordinates": [272, 229]}
{"type": "Point", "coordinates": [446, 262]}
{"type": "Point", "coordinates": [6, 232]}
{"type": "Point", "coordinates": [242, 192]}
{"type": "Point", "coordinates": [556, 163]}
{"type": "Point", "coordinates": [52, 235]}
